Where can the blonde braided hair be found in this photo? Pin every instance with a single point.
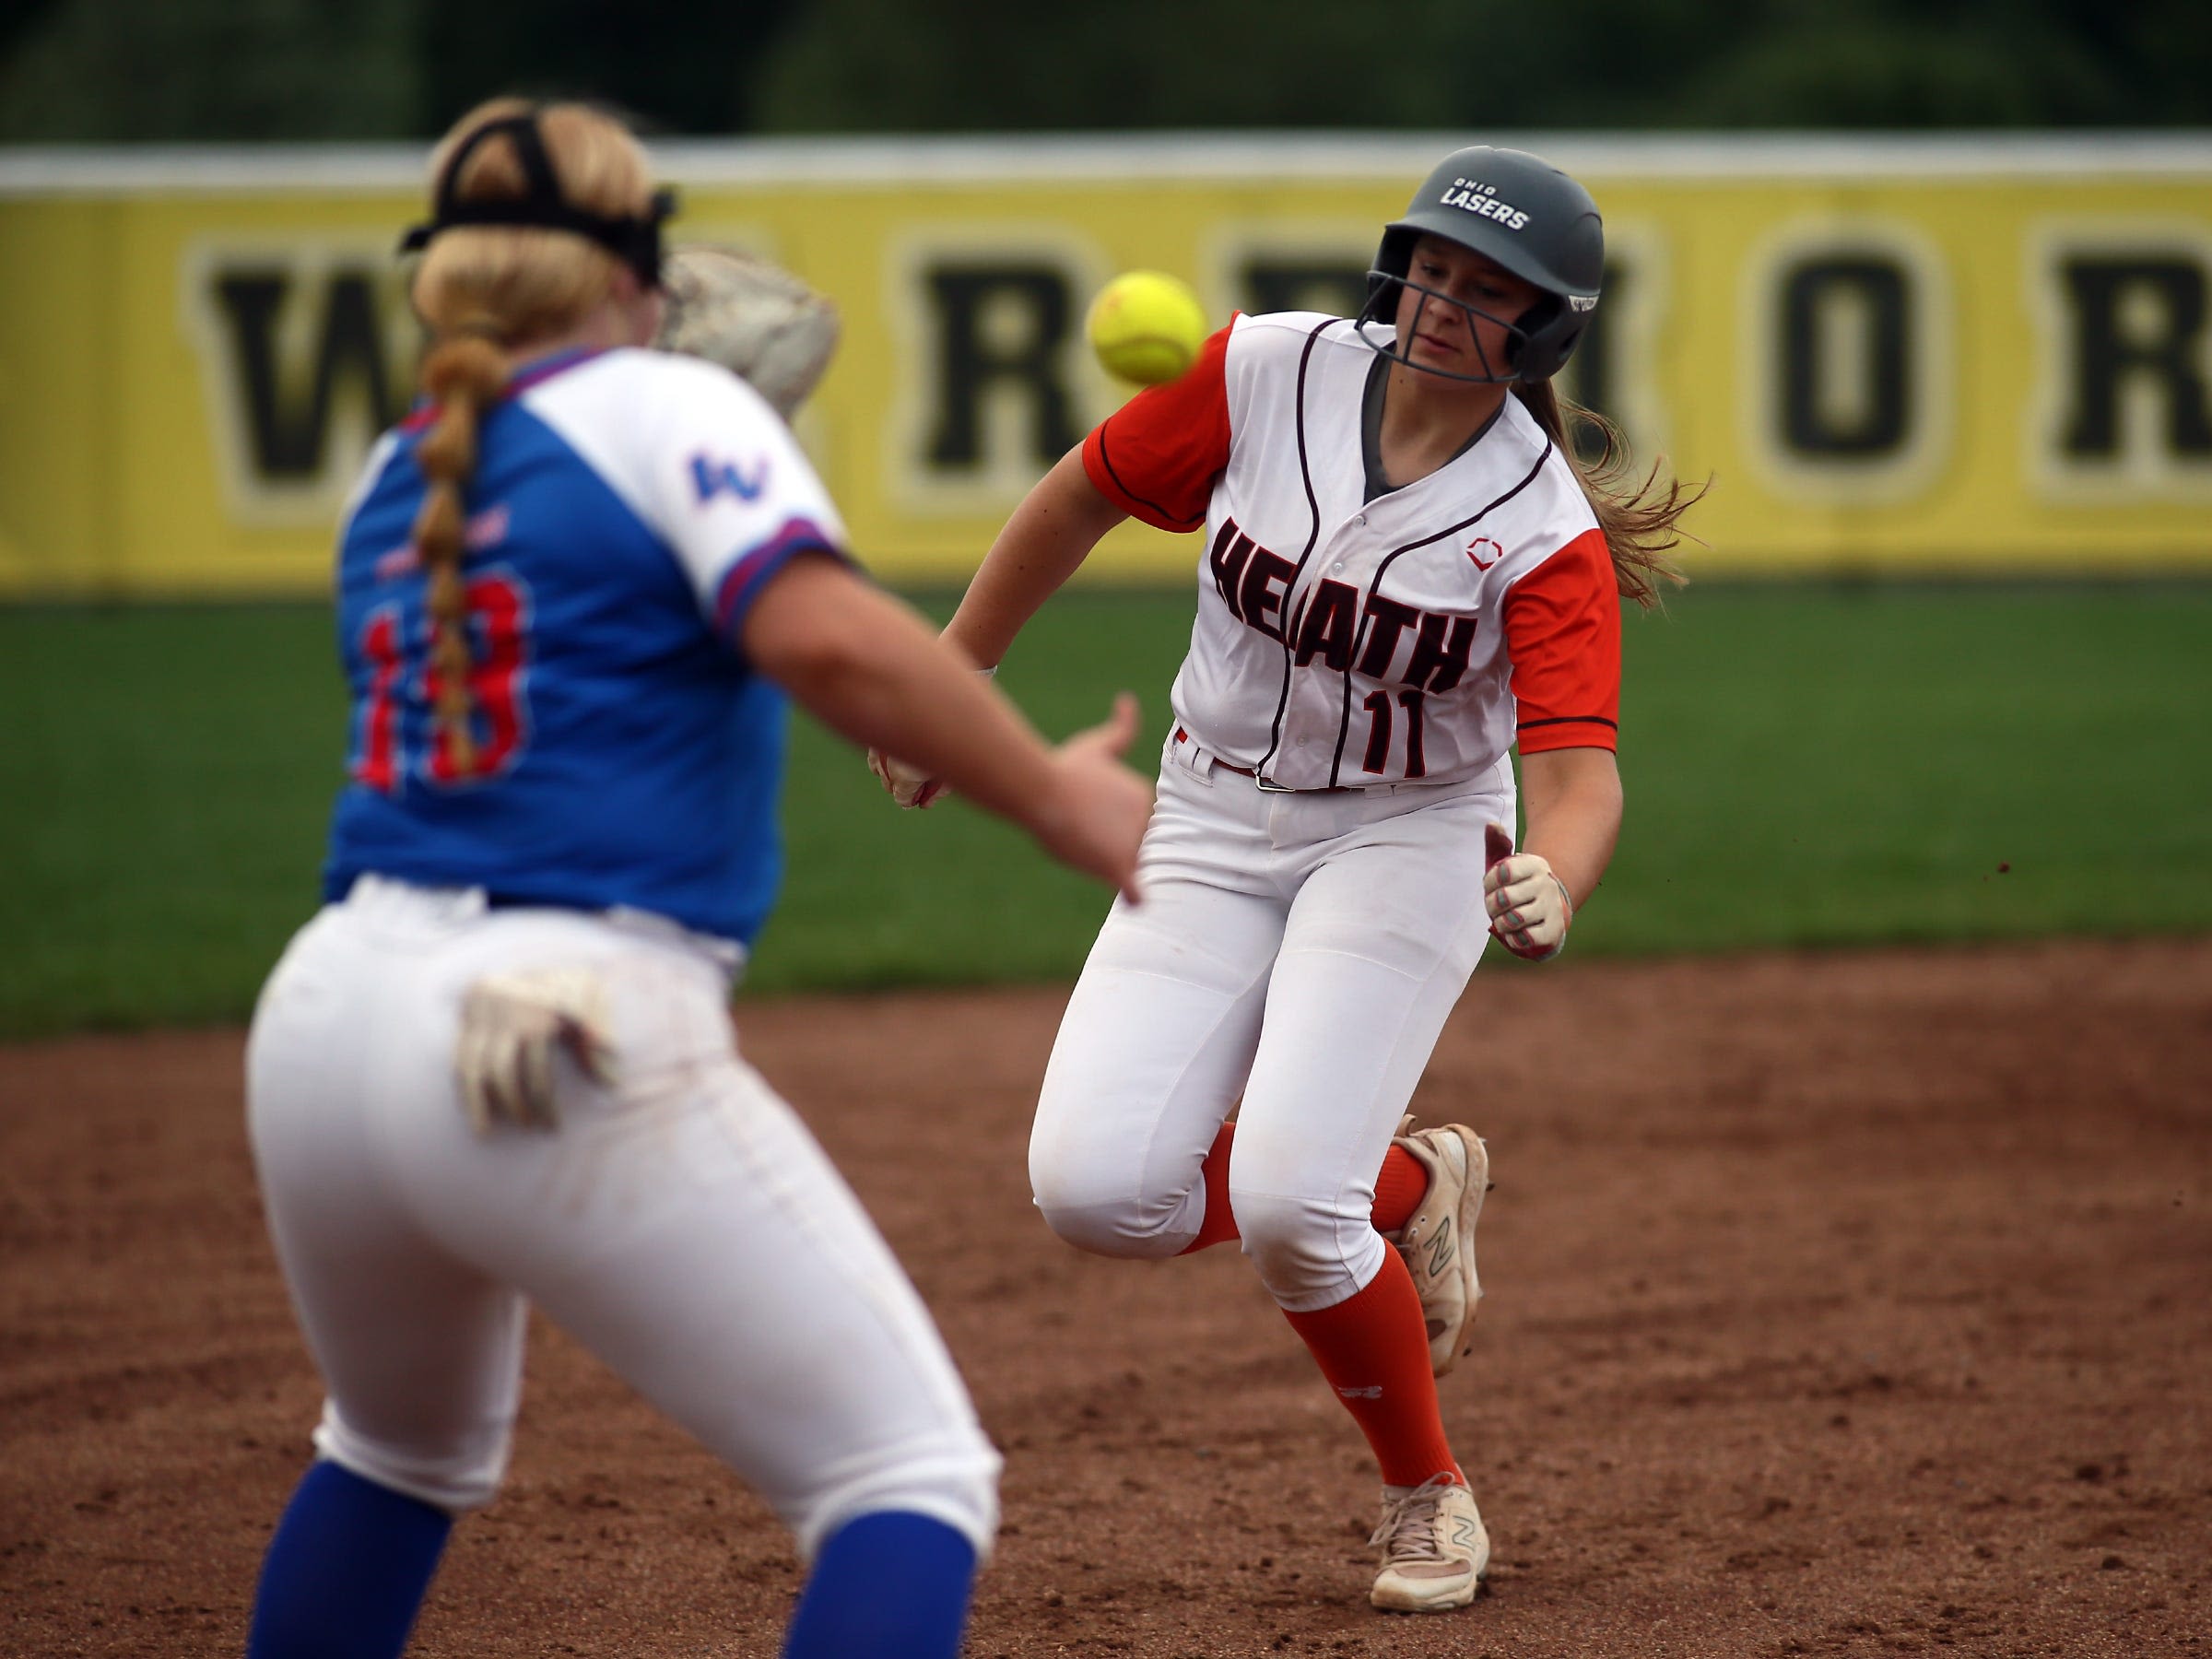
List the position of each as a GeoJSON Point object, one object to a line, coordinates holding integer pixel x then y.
{"type": "Point", "coordinates": [463, 375]}
{"type": "Point", "coordinates": [486, 292]}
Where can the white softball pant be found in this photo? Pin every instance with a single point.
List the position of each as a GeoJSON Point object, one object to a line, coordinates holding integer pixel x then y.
{"type": "Point", "coordinates": [682, 1225]}
{"type": "Point", "coordinates": [1301, 950]}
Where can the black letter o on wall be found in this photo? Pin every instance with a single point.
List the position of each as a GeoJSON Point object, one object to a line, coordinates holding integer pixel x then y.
{"type": "Point", "coordinates": [1876, 424]}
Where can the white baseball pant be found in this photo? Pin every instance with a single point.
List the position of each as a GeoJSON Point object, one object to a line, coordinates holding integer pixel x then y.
{"type": "Point", "coordinates": [1301, 950]}
{"type": "Point", "coordinates": [682, 1224]}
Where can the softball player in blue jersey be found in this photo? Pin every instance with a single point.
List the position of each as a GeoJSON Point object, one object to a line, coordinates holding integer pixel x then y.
{"type": "Point", "coordinates": [498, 1068]}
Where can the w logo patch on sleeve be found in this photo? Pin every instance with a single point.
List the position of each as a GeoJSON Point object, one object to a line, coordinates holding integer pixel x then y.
{"type": "Point", "coordinates": [710, 477]}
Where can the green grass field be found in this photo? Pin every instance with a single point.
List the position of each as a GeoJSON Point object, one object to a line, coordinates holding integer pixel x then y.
{"type": "Point", "coordinates": [1805, 767]}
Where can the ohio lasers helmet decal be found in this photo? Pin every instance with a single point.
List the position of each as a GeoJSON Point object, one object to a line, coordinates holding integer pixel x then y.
{"type": "Point", "coordinates": [1530, 217]}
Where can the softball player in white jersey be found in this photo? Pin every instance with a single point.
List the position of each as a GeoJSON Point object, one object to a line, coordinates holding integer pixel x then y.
{"type": "Point", "coordinates": [1405, 572]}
{"type": "Point", "coordinates": [499, 1066]}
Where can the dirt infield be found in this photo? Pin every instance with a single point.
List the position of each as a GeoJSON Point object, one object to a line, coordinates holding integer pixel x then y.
{"type": "Point", "coordinates": [1855, 1304]}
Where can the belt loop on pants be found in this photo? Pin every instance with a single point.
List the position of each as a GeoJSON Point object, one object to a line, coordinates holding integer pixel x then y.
{"type": "Point", "coordinates": [1188, 754]}
{"type": "Point", "coordinates": [1199, 754]}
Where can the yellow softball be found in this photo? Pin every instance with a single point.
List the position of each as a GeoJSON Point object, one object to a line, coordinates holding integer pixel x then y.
{"type": "Point", "coordinates": [1146, 326]}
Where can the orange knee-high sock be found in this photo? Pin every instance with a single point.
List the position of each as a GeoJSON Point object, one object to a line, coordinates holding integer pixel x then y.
{"type": "Point", "coordinates": [1399, 1189]}
{"type": "Point", "coordinates": [1400, 1185]}
{"type": "Point", "coordinates": [1374, 1351]}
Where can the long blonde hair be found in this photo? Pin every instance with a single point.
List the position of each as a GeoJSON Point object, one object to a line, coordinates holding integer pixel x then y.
{"type": "Point", "coordinates": [1640, 517]}
{"type": "Point", "coordinates": [482, 290]}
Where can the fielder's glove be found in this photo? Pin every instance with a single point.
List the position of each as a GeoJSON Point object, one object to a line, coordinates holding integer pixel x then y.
{"type": "Point", "coordinates": [755, 319]}
{"type": "Point", "coordinates": [1529, 908]}
{"type": "Point", "coordinates": [511, 1024]}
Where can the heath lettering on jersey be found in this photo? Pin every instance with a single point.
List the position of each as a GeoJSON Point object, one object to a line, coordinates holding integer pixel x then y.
{"type": "Point", "coordinates": [1338, 622]}
{"type": "Point", "coordinates": [1479, 199]}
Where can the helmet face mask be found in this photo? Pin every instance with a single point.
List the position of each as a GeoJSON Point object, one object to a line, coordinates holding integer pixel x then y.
{"type": "Point", "coordinates": [1384, 292]}
{"type": "Point", "coordinates": [1527, 218]}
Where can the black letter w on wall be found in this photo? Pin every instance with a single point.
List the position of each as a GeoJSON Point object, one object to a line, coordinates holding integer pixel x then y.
{"type": "Point", "coordinates": [289, 422]}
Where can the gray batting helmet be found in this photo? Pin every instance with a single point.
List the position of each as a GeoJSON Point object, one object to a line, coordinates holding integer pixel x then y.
{"type": "Point", "coordinates": [1525, 214]}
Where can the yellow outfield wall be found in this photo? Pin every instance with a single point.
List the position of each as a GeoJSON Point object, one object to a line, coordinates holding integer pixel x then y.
{"type": "Point", "coordinates": [1956, 355]}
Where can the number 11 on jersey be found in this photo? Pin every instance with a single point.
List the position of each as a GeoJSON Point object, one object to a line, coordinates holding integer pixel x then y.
{"type": "Point", "coordinates": [1377, 759]}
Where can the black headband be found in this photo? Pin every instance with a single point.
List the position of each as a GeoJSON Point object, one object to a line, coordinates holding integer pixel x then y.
{"type": "Point", "coordinates": [635, 239]}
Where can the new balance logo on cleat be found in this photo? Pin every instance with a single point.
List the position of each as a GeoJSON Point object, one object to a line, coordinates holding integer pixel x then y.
{"type": "Point", "coordinates": [1437, 1243]}
{"type": "Point", "coordinates": [1440, 1248]}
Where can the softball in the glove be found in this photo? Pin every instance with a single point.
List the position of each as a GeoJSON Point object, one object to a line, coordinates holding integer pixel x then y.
{"type": "Point", "coordinates": [754, 318]}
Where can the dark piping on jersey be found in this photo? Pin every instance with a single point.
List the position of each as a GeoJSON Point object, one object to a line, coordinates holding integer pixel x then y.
{"type": "Point", "coordinates": [1305, 473]}
{"type": "Point", "coordinates": [1374, 588]}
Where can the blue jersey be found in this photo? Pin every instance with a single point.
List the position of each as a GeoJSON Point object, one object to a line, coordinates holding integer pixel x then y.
{"type": "Point", "coordinates": [626, 508]}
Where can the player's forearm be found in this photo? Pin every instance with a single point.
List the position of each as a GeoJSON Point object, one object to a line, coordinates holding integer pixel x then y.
{"type": "Point", "coordinates": [1572, 802]}
{"type": "Point", "coordinates": [929, 709]}
{"type": "Point", "coordinates": [1043, 544]}
{"type": "Point", "coordinates": [869, 668]}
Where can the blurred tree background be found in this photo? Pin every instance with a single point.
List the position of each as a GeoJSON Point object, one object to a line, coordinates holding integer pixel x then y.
{"type": "Point", "coordinates": [179, 71]}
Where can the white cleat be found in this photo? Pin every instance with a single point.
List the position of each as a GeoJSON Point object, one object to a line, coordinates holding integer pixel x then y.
{"type": "Point", "coordinates": [1435, 1549]}
{"type": "Point", "coordinates": [1438, 1243]}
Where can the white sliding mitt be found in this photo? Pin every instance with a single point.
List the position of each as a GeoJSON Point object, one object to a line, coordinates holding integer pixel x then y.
{"type": "Point", "coordinates": [513, 1025]}
{"type": "Point", "coordinates": [1529, 908]}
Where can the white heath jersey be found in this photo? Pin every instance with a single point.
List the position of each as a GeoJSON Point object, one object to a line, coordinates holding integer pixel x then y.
{"type": "Point", "coordinates": [1342, 641]}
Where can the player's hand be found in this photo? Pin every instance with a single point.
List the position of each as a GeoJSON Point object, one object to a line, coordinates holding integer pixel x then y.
{"type": "Point", "coordinates": [1529, 908]}
{"type": "Point", "coordinates": [908, 785]}
{"type": "Point", "coordinates": [1098, 807]}
{"type": "Point", "coordinates": [511, 1027]}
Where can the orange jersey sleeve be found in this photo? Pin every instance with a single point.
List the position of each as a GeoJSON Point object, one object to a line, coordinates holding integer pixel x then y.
{"type": "Point", "coordinates": [1158, 455]}
{"type": "Point", "coordinates": [1562, 632]}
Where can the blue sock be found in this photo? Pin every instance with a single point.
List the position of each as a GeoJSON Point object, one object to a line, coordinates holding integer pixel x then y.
{"type": "Point", "coordinates": [346, 1570]}
{"type": "Point", "coordinates": [893, 1585]}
